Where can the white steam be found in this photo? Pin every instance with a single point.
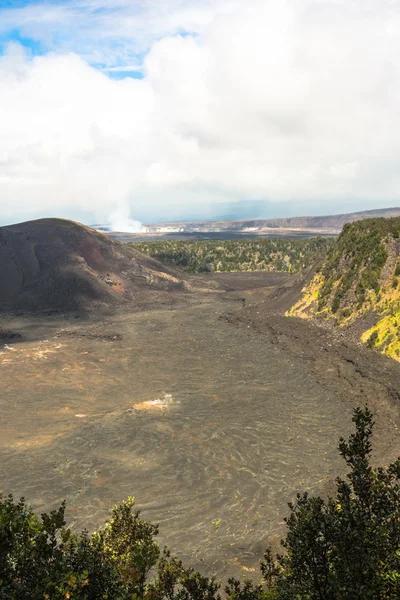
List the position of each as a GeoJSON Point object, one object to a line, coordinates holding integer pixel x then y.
{"type": "Point", "coordinates": [120, 220]}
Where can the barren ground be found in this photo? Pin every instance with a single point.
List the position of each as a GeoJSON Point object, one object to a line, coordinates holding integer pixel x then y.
{"type": "Point", "coordinates": [212, 414]}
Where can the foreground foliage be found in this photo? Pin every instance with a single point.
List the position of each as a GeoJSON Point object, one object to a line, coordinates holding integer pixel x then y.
{"type": "Point", "coordinates": [343, 548]}
{"type": "Point", "coordinates": [262, 254]}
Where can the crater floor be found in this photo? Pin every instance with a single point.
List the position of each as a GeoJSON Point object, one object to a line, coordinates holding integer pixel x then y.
{"type": "Point", "coordinates": [212, 425]}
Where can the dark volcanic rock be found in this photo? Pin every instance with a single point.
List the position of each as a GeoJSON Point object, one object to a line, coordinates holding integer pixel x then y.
{"type": "Point", "coordinates": [7, 334]}
{"type": "Point", "coordinates": [55, 264]}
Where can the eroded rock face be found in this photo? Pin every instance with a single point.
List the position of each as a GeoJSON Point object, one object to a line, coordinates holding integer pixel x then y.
{"type": "Point", "coordinates": [55, 264]}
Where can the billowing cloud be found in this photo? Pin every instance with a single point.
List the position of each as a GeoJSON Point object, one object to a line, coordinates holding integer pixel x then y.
{"type": "Point", "coordinates": [275, 99]}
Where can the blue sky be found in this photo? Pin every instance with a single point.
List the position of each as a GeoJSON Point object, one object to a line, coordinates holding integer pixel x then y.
{"type": "Point", "coordinates": [74, 26]}
{"type": "Point", "coordinates": [111, 35]}
{"type": "Point", "coordinates": [178, 109]}
{"type": "Point", "coordinates": [13, 35]}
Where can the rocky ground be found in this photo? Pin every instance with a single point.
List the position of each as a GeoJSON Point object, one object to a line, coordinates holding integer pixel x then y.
{"type": "Point", "coordinates": [208, 406]}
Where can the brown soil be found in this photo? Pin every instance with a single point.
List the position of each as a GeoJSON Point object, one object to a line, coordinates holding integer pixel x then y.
{"type": "Point", "coordinates": [213, 415]}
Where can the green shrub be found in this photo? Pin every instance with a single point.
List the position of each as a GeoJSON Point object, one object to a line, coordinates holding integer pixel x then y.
{"type": "Point", "coordinates": [261, 254]}
{"type": "Point", "coordinates": [336, 303]}
{"type": "Point", "coordinates": [344, 548]}
{"type": "Point", "coordinates": [373, 338]}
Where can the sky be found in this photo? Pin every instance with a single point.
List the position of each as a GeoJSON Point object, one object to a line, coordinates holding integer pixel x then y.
{"type": "Point", "coordinates": [154, 110]}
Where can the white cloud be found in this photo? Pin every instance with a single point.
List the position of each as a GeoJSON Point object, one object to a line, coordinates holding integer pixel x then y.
{"type": "Point", "coordinates": [277, 99]}
{"type": "Point", "coordinates": [124, 69]}
{"type": "Point", "coordinates": [110, 32]}
{"type": "Point", "coordinates": [344, 171]}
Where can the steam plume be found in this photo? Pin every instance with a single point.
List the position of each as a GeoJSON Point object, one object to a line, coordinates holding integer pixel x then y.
{"type": "Point", "coordinates": [120, 220]}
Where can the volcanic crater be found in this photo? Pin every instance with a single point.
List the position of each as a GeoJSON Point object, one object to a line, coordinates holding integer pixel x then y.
{"type": "Point", "coordinates": [213, 413]}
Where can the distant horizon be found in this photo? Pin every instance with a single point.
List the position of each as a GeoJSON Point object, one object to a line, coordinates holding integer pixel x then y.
{"type": "Point", "coordinates": [270, 218]}
{"type": "Point", "coordinates": [213, 220]}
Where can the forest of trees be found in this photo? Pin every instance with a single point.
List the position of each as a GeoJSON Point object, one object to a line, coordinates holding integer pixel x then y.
{"type": "Point", "coordinates": [261, 254]}
{"type": "Point", "coordinates": [344, 548]}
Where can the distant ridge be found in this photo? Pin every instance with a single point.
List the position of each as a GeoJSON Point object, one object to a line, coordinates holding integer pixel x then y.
{"type": "Point", "coordinates": [56, 264]}
{"type": "Point", "coordinates": [328, 223]}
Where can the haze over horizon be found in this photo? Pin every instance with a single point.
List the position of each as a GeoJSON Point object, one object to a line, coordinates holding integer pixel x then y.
{"type": "Point", "coordinates": [197, 109]}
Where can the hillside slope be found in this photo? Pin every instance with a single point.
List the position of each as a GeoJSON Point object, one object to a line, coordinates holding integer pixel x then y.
{"type": "Point", "coordinates": [61, 265]}
{"type": "Point", "coordinates": [358, 284]}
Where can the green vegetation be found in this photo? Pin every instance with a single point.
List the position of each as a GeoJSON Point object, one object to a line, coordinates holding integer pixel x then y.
{"type": "Point", "coordinates": [343, 548]}
{"type": "Point", "coordinates": [263, 254]}
{"type": "Point", "coordinates": [360, 275]}
{"type": "Point", "coordinates": [373, 338]}
{"type": "Point", "coordinates": [356, 261]}
{"type": "Point", "coordinates": [385, 335]}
